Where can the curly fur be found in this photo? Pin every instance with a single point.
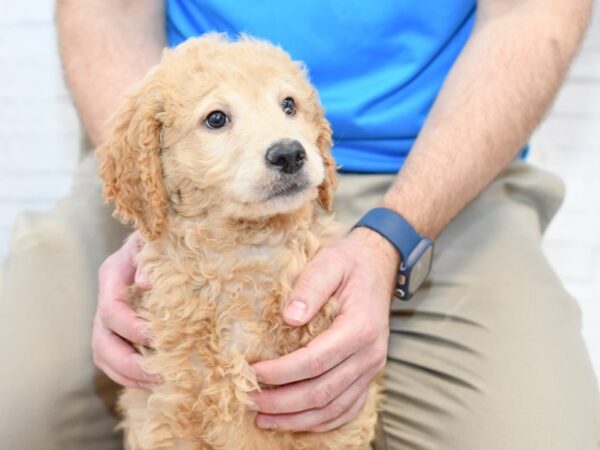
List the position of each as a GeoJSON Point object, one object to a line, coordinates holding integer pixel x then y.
{"type": "Point", "coordinates": [221, 256]}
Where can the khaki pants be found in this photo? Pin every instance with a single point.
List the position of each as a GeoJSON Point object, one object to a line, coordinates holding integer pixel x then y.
{"type": "Point", "coordinates": [487, 356]}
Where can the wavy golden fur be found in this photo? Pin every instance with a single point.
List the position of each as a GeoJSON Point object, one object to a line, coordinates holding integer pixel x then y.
{"type": "Point", "coordinates": [223, 245]}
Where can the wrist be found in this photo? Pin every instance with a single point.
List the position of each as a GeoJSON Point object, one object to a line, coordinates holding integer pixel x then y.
{"type": "Point", "coordinates": [382, 250]}
{"type": "Point", "coordinates": [415, 251]}
{"type": "Point", "coordinates": [415, 216]}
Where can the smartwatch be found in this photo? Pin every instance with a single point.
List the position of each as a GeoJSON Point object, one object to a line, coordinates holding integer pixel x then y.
{"type": "Point", "coordinates": [416, 252]}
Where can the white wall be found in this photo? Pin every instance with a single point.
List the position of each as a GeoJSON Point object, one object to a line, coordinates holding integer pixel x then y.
{"type": "Point", "coordinates": [39, 133]}
{"type": "Point", "coordinates": [568, 143]}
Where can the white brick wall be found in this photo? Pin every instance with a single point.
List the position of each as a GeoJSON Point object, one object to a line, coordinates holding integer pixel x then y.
{"type": "Point", "coordinates": [40, 135]}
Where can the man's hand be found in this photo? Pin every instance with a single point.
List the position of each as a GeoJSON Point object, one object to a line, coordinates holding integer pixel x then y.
{"type": "Point", "coordinates": [116, 326]}
{"type": "Point", "coordinates": [325, 384]}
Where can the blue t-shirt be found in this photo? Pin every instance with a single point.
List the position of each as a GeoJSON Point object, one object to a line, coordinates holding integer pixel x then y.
{"type": "Point", "coordinates": [378, 66]}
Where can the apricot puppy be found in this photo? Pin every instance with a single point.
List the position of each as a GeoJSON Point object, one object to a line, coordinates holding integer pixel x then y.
{"type": "Point", "coordinates": [221, 159]}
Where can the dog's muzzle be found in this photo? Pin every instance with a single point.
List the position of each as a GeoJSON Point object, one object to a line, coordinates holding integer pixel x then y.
{"type": "Point", "coordinates": [286, 155]}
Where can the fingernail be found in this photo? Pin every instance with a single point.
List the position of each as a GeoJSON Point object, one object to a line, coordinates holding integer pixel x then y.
{"type": "Point", "coordinates": [147, 331]}
{"type": "Point", "coordinates": [264, 422]}
{"type": "Point", "coordinates": [296, 310]}
{"type": "Point", "coordinates": [148, 378]}
{"type": "Point", "coordinates": [142, 279]}
{"type": "Point", "coordinates": [151, 378]}
{"type": "Point", "coordinates": [258, 376]}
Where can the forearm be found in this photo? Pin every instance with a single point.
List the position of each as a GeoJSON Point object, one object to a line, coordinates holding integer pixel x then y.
{"type": "Point", "coordinates": [105, 46]}
{"type": "Point", "coordinates": [493, 98]}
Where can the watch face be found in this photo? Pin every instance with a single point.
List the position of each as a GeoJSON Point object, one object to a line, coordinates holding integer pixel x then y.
{"type": "Point", "coordinates": [420, 270]}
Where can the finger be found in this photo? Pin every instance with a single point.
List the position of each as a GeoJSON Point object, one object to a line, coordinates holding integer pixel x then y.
{"type": "Point", "coordinates": [117, 316]}
{"type": "Point", "coordinates": [113, 353]}
{"type": "Point", "coordinates": [315, 285]}
{"type": "Point", "coordinates": [123, 381]}
{"type": "Point", "coordinates": [132, 247]}
{"type": "Point", "coordinates": [115, 275]}
{"type": "Point", "coordinates": [314, 417]}
{"type": "Point", "coordinates": [314, 393]}
{"type": "Point", "coordinates": [142, 279]}
{"type": "Point", "coordinates": [119, 268]}
{"type": "Point", "coordinates": [350, 414]}
{"type": "Point", "coordinates": [345, 336]}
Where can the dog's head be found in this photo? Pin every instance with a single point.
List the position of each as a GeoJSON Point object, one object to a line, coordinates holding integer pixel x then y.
{"type": "Point", "coordinates": [218, 127]}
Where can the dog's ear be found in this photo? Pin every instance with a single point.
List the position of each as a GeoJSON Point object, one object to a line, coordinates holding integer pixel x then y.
{"type": "Point", "coordinates": [130, 164]}
{"type": "Point", "coordinates": [324, 143]}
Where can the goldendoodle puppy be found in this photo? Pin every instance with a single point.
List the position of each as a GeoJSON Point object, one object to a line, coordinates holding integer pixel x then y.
{"type": "Point", "coordinates": [220, 157]}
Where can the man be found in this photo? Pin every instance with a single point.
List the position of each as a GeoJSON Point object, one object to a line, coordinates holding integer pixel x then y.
{"type": "Point", "coordinates": [488, 354]}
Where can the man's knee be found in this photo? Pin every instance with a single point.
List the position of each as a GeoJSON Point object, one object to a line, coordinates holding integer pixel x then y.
{"type": "Point", "coordinates": [46, 407]}
{"type": "Point", "coordinates": [49, 387]}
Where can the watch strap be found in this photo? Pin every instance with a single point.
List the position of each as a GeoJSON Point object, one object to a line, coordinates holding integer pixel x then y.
{"type": "Point", "coordinates": [394, 228]}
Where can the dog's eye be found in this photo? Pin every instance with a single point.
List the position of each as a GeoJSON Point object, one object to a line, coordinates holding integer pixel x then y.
{"type": "Point", "coordinates": [288, 106]}
{"type": "Point", "coordinates": [216, 119]}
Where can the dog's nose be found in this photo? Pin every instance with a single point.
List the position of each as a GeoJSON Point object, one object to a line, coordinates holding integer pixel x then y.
{"type": "Point", "coordinates": [286, 155]}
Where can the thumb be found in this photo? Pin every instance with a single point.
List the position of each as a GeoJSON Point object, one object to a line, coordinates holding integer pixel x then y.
{"type": "Point", "coordinates": [315, 285]}
{"type": "Point", "coordinates": [133, 246]}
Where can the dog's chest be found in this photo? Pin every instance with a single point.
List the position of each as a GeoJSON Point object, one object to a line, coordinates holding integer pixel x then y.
{"type": "Point", "coordinates": [249, 309]}
{"type": "Point", "coordinates": [228, 301]}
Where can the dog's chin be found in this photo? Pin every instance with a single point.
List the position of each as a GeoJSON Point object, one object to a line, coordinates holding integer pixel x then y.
{"type": "Point", "coordinates": [289, 200]}
{"type": "Point", "coordinates": [284, 201]}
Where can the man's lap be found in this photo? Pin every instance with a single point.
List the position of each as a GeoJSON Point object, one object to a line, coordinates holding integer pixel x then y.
{"type": "Point", "coordinates": [487, 355]}
{"type": "Point", "coordinates": [52, 396]}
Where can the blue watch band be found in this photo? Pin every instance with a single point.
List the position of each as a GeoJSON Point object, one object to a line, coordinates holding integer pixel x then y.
{"type": "Point", "coordinates": [394, 228]}
{"type": "Point", "coordinates": [415, 251]}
